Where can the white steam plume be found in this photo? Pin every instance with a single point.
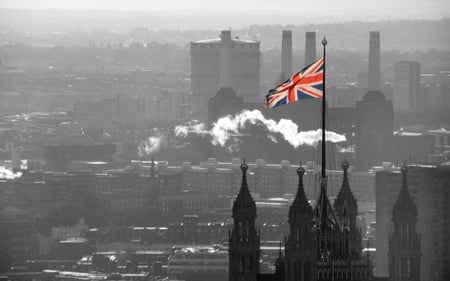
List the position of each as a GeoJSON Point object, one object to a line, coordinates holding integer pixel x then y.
{"type": "Point", "coordinates": [8, 174]}
{"type": "Point", "coordinates": [229, 127]}
{"type": "Point", "coordinates": [151, 145]}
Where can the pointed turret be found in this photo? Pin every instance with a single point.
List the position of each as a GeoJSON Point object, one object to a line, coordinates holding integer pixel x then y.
{"type": "Point", "coordinates": [404, 242]}
{"type": "Point", "coordinates": [244, 204]}
{"type": "Point", "coordinates": [404, 206]}
{"type": "Point", "coordinates": [301, 246]}
{"type": "Point", "coordinates": [345, 196]}
{"type": "Point", "coordinates": [244, 239]}
{"type": "Point", "coordinates": [346, 208]}
{"type": "Point", "coordinates": [300, 206]}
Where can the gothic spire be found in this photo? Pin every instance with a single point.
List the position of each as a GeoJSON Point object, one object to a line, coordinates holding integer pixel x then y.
{"type": "Point", "coordinates": [300, 204]}
{"type": "Point", "coordinates": [244, 200]}
{"type": "Point", "coordinates": [345, 195]}
{"type": "Point", "coordinates": [404, 206]}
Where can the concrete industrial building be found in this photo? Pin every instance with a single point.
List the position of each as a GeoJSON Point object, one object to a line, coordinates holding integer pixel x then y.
{"type": "Point", "coordinates": [374, 116]}
{"type": "Point", "coordinates": [206, 69]}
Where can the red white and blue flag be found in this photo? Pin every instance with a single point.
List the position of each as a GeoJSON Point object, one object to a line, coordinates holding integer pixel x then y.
{"type": "Point", "coordinates": [307, 83]}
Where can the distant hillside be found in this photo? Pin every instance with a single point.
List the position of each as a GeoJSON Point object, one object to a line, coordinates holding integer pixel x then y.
{"type": "Point", "coordinates": [400, 34]}
{"type": "Point", "coordinates": [181, 27]}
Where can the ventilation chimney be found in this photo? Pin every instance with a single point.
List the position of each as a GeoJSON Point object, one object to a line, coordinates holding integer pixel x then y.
{"type": "Point", "coordinates": [374, 62]}
{"type": "Point", "coordinates": [310, 48]}
{"type": "Point", "coordinates": [225, 59]}
{"type": "Point", "coordinates": [286, 54]}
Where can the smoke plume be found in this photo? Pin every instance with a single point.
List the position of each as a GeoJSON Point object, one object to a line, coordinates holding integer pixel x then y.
{"type": "Point", "coordinates": [151, 145]}
{"type": "Point", "coordinates": [8, 174]}
{"type": "Point", "coordinates": [228, 129]}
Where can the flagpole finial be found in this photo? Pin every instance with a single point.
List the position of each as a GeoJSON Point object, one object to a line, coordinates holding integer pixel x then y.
{"type": "Point", "coordinates": [324, 41]}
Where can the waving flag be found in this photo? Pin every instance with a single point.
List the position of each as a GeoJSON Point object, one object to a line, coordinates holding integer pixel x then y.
{"type": "Point", "coordinates": [307, 83]}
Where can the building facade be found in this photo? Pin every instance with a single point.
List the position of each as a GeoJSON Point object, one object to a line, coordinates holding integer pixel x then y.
{"type": "Point", "coordinates": [406, 85]}
{"type": "Point", "coordinates": [206, 68]}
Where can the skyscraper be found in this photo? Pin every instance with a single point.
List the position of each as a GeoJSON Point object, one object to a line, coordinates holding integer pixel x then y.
{"type": "Point", "coordinates": [406, 85]}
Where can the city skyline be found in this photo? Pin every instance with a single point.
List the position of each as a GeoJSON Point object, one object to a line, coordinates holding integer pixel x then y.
{"type": "Point", "coordinates": [139, 140]}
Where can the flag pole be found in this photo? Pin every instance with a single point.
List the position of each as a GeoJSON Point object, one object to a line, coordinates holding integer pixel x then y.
{"type": "Point", "coordinates": [324, 43]}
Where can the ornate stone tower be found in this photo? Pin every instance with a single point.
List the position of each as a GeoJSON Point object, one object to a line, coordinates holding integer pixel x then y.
{"type": "Point", "coordinates": [244, 239]}
{"type": "Point", "coordinates": [301, 245]}
{"type": "Point", "coordinates": [346, 208]}
{"type": "Point", "coordinates": [404, 242]}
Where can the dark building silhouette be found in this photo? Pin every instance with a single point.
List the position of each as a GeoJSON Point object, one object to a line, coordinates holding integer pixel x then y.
{"type": "Point", "coordinates": [301, 244]}
{"type": "Point", "coordinates": [322, 244]}
{"type": "Point", "coordinates": [404, 243]}
{"type": "Point", "coordinates": [346, 208]}
{"type": "Point", "coordinates": [244, 240]}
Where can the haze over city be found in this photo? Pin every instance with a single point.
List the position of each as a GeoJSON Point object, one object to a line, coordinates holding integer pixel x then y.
{"type": "Point", "coordinates": [224, 140]}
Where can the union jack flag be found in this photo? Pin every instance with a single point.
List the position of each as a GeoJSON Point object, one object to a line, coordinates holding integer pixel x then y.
{"type": "Point", "coordinates": [307, 83]}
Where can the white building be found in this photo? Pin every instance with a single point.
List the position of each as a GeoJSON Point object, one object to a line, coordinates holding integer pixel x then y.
{"type": "Point", "coordinates": [198, 263]}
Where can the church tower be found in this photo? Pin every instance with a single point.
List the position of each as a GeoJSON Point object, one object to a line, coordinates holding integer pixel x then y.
{"type": "Point", "coordinates": [346, 208]}
{"type": "Point", "coordinates": [244, 239]}
{"type": "Point", "coordinates": [301, 244]}
{"type": "Point", "coordinates": [404, 242]}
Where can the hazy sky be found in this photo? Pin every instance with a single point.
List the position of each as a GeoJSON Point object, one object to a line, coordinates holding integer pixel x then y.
{"type": "Point", "coordinates": [429, 7]}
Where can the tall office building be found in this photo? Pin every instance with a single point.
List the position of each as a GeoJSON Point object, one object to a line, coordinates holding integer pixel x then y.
{"type": "Point", "coordinates": [374, 115]}
{"type": "Point", "coordinates": [406, 85]}
{"type": "Point", "coordinates": [429, 189]}
{"type": "Point", "coordinates": [206, 71]}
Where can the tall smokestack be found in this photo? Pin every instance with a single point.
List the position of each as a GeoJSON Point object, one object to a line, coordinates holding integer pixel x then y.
{"type": "Point", "coordinates": [374, 62]}
{"type": "Point", "coordinates": [225, 59]}
{"type": "Point", "coordinates": [286, 54]}
{"type": "Point", "coordinates": [310, 48]}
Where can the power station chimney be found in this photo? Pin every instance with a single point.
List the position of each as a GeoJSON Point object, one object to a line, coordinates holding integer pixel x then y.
{"type": "Point", "coordinates": [225, 59]}
{"type": "Point", "coordinates": [374, 83]}
{"type": "Point", "coordinates": [310, 47]}
{"type": "Point", "coordinates": [286, 54]}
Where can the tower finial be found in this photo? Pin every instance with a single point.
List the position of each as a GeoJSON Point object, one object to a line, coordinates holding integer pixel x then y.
{"type": "Point", "coordinates": [244, 166]}
{"type": "Point", "coordinates": [404, 170]}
